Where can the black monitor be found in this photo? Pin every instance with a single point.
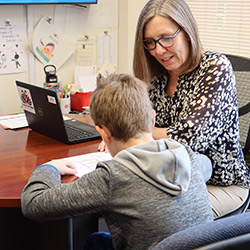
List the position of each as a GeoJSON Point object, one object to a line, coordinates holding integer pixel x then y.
{"type": "Point", "coordinates": [48, 2]}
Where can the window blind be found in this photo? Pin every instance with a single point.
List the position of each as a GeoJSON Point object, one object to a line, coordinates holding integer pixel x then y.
{"type": "Point", "coordinates": [224, 25]}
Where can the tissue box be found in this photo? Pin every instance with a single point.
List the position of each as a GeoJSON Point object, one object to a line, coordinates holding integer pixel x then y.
{"type": "Point", "coordinates": [79, 100]}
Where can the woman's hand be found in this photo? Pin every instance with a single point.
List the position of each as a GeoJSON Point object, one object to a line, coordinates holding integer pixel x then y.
{"type": "Point", "coordinates": [65, 167]}
{"type": "Point", "coordinates": [102, 147]}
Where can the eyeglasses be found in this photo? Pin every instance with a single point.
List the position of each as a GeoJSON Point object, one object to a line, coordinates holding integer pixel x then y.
{"type": "Point", "coordinates": [165, 41]}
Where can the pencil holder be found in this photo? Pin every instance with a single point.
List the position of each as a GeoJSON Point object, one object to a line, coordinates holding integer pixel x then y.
{"type": "Point", "coordinates": [65, 105]}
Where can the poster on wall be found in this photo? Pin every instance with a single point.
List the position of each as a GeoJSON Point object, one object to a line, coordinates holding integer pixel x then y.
{"type": "Point", "coordinates": [49, 44]}
{"type": "Point", "coordinates": [13, 53]}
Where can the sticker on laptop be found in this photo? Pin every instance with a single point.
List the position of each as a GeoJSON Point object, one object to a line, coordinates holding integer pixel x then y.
{"type": "Point", "coordinates": [26, 99]}
{"type": "Point", "coordinates": [51, 99]}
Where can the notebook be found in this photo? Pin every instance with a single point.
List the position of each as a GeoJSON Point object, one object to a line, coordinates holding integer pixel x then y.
{"type": "Point", "coordinates": [43, 114]}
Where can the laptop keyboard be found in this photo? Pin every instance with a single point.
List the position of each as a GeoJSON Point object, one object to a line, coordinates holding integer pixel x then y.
{"type": "Point", "coordinates": [76, 133]}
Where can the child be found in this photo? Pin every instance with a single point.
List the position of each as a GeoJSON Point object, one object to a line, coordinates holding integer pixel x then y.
{"type": "Point", "coordinates": [148, 191]}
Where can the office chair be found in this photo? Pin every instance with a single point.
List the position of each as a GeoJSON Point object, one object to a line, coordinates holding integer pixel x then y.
{"type": "Point", "coordinates": [207, 233]}
{"type": "Point", "coordinates": [241, 242]}
{"type": "Point", "coordinates": [241, 66]}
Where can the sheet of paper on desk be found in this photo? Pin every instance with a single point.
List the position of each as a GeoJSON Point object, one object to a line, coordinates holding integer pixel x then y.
{"type": "Point", "coordinates": [13, 121]}
{"type": "Point", "coordinates": [17, 121]}
{"type": "Point", "coordinates": [86, 163]}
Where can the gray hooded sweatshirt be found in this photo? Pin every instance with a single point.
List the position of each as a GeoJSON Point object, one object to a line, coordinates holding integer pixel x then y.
{"type": "Point", "coordinates": [145, 193]}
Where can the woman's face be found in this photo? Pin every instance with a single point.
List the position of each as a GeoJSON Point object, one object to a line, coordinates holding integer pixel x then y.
{"type": "Point", "coordinates": [174, 58]}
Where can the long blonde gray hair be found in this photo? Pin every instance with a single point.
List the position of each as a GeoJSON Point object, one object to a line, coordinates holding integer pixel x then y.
{"type": "Point", "coordinates": [145, 66]}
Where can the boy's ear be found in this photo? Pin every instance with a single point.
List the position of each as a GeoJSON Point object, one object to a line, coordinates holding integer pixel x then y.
{"type": "Point", "coordinates": [153, 113]}
{"type": "Point", "coordinates": [104, 132]}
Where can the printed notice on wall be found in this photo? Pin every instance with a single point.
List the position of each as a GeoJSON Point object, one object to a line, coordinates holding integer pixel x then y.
{"type": "Point", "coordinates": [13, 53]}
{"type": "Point", "coordinates": [86, 52]}
{"type": "Point", "coordinates": [107, 49]}
{"type": "Point", "coordinates": [103, 15]}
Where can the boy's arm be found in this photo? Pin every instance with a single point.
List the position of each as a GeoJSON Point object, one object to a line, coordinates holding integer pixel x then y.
{"type": "Point", "coordinates": [44, 198]}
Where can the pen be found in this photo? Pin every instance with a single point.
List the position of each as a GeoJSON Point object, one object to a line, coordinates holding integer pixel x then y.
{"type": "Point", "coordinates": [70, 88]}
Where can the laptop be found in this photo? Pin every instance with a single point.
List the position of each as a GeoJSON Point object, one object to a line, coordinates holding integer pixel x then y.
{"type": "Point", "coordinates": [43, 113]}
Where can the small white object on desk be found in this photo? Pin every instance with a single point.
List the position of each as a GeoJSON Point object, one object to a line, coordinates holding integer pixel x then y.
{"type": "Point", "coordinates": [13, 121]}
{"type": "Point", "coordinates": [85, 110]}
{"type": "Point", "coordinates": [65, 105]}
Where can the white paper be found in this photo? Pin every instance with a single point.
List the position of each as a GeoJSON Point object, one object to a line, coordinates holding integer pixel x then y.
{"type": "Point", "coordinates": [87, 83]}
{"type": "Point", "coordinates": [14, 121]}
{"type": "Point", "coordinates": [13, 53]}
{"type": "Point", "coordinates": [107, 50]}
{"type": "Point", "coordinates": [69, 18]}
{"type": "Point", "coordinates": [103, 15]}
{"type": "Point", "coordinates": [86, 163]}
{"type": "Point", "coordinates": [50, 45]}
{"type": "Point", "coordinates": [86, 51]}
{"type": "Point", "coordinates": [85, 78]}
{"type": "Point", "coordinates": [107, 69]}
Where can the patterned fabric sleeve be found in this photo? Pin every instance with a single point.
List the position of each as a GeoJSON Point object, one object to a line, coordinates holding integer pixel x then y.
{"type": "Point", "coordinates": [212, 109]}
{"type": "Point", "coordinates": [203, 113]}
{"type": "Point", "coordinates": [202, 103]}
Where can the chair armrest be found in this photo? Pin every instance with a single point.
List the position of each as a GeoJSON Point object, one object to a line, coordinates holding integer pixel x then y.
{"type": "Point", "coordinates": [244, 109]}
{"type": "Point", "coordinates": [246, 148]}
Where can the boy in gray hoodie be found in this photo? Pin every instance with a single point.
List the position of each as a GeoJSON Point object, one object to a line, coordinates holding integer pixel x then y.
{"type": "Point", "coordinates": [148, 191]}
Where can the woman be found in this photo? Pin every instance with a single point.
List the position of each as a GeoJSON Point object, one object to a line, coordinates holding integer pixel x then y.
{"type": "Point", "coordinates": [193, 93]}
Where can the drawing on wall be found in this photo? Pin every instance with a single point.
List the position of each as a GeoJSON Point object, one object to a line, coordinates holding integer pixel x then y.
{"type": "Point", "coordinates": [49, 44]}
{"type": "Point", "coordinates": [46, 51]}
{"type": "Point", "coordinates": [13, 53]}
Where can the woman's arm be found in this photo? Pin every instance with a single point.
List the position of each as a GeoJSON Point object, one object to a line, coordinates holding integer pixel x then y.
{"type": "Point", "coordinates": [206, 106]}
{"type": "Point", "coordinates": [212, 107]}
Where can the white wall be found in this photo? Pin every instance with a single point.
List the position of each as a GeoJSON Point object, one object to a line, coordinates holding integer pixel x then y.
{"type": "Point", "coordinates": [126, 11]}
{"type": "Point", "coordinates": [129, 11]}
{"type": "Point", "coordinates": [84, 23]}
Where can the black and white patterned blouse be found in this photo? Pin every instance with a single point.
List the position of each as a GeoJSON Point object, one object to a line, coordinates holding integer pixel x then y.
{"type": "Point", "coordinates": [203, 113]}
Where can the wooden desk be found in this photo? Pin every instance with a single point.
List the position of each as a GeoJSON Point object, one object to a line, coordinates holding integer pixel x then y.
{"type": "Point", "coordinates": [20, 152]}
{"type": "Point", "coordinates": [23, 149]}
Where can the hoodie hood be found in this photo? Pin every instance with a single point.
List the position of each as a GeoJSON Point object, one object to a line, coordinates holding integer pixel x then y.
{"type": "Point", "coordinates": [164, 163]}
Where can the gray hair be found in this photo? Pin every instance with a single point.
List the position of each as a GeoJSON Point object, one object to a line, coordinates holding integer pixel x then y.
{"type": "Point", "coordinates": [145, 65]}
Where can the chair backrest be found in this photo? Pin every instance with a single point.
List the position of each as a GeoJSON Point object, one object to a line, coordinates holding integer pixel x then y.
{"type": "Point", "coordinates": [241, 242]}
{"type": "Point", "coordinates": [207, 233]}
{"type": "Point", "coordinates": [241, 66]}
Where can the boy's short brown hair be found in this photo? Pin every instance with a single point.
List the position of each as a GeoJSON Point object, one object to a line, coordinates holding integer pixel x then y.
{"type": "Point", "coordinates": [121, 103]}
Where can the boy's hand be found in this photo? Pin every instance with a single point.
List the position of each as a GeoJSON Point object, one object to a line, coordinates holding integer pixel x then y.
{"type": "Point", "coordinates": [65, 167]}
{"type": "Point", "coordinates": [102, 147]}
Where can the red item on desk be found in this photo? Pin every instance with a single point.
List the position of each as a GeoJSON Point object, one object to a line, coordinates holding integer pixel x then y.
{"type": "Point", "coordinates": [79, 100]}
